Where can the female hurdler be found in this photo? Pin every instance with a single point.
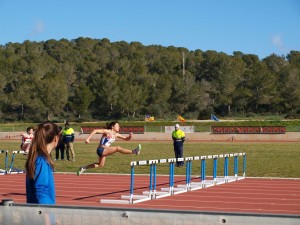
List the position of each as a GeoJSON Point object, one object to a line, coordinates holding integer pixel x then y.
{"type": "Point", "coordinates": [109, 135]}
{"type": "Point", "coordinates": [27, 139]}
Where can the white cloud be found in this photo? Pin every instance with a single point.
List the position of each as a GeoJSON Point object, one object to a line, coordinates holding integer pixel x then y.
{"type": "Point", "coordinates": [277, 41]}
{"type": "Point", "coordinates": [37, 28]}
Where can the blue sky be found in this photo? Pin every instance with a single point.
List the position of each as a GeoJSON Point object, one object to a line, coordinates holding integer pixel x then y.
{"type": "Point", "coordinates": [259, 27]}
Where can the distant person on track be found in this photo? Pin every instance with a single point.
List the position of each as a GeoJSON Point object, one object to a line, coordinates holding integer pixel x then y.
{"type": "Point", "coordinates": [104, 149]}
{"type": "Point", "coordinates": [27, 139]}
{"type": "Point", "coordinates": [60, 148]}
{"type": "Point", "coordinates": [178, 137]}
{"type": "Point", "coordinates": [40, 188]}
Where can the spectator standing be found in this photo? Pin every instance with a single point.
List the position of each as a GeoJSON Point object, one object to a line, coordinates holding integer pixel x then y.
{"type": "Point", "coordinates": [40, 188]}
{"type": "Point", "coordinates": [60, 148]}
{"type": "Point", "coordinates": [68, 139]}
{"type": "Point", "coordinates": [178, 137]}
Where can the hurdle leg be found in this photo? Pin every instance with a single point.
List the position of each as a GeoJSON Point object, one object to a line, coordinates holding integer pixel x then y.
{"type": "Point", "coordinates": [203, 171]}
{"type": "Point", "coordinates": [155, 194]}
{"type": "Point", "coordinates": [215, 167]}
{"type": "Point", "coordinates": [154, 181]}
{"type": "Point", "coordinates": [226, 168]}
{"type": "Point", "coordinates": [4, 171]}
{"type": "Point", "coordinates": [235, 167]}
{"type": "Point", "coordinates": [198, 184]}
{"type": "Point", "coordinates": [6, 161]}
{"type": "Point", "coordinates": [11, 162]}
{"type": "Point", "coordinates": [150, 181]}
{"type": "Point", "coordinates": [244, 165]}
{"type": "Point", "coordinates": [171, 179]}
{"type": "Point", "coordinates": [131, 183]}
{"type": "Point", "coordinates": [128, 199]}
{"type": "Point", "coordinates": [187, 174]}
{"type": "Point", "coordinates": [171, 188]}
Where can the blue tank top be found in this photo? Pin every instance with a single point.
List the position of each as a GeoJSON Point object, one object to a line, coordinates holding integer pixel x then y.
{"type": "Point", "coordinates": [107, 140]}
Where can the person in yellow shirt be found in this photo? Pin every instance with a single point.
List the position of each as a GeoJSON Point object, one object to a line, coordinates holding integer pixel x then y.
{"type": "Point", "coordinates": [68, 139]}
{"type": "Point", "coordinates": [178, 137]}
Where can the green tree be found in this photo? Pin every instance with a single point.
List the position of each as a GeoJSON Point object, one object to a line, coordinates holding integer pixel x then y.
{"type": "Point", "coordinates": [53, 94]}
{"type": "Point", "coordinates": [159, 93]}
{"type": "Point", "coordinates": [132, 97]}
{"type": "Point", "coordinates": [259, 84]}
{"type": "Point", "coordinates": [82, 100]}
{"type": "Point", "coordinates": [229, 75]}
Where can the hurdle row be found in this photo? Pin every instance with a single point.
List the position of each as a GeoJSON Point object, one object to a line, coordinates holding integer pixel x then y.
{"type": "Point", "coordinates": [181, 188]}
{"type": "Point", "coordinates": [10, 169]}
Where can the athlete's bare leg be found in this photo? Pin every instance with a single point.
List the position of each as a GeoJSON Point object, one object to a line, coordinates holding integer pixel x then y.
{"type": "Point", "coordinates": [25, 147]}
{"type": "Point", "coordinates": [99, 164]}
{"type": "Point", "coordinates": [111, 150]}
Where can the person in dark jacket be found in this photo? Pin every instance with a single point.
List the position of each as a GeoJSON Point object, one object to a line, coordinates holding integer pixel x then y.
{"type": "Point", "coordinates": [60, 148]}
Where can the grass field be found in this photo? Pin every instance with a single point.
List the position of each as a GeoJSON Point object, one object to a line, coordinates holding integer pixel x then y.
{"type": "Point", "coordinates": [263, 159]}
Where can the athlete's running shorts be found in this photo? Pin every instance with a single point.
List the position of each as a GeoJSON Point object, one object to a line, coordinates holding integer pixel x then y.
{"type": "Point", "coordinates": [100, 151]}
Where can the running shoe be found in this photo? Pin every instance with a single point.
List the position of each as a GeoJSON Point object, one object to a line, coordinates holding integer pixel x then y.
{"type": "Point", "coordinates": [80, 171]}
{"type": "Point", "coordinates": [137, 150]}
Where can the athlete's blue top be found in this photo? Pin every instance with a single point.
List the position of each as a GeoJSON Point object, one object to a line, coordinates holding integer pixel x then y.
{"type": "Point", "coordinates": [107, 140]}
{"type": "Point", "coordinates": [41, 189]}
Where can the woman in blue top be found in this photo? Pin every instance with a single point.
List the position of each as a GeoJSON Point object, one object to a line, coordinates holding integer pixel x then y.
{"type": "Point", "coordinates": [104, 149]}
{"type": "Point", "coordinates": [40, 187]}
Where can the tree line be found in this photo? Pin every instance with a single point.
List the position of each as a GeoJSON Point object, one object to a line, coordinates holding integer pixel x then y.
{"type": "Point", "coordinates": [98, 79]}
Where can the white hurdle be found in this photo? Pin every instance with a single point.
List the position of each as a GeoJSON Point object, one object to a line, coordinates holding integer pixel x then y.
{"type": "Point", "coordinates": [181, 188]}
{"type": "Point", "coordinates": [13, 170]}
{"type": "Point", "coordinates": [171, 189]}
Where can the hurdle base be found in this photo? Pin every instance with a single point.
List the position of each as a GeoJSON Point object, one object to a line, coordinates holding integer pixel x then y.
{"type": "Point", "coordinates": [183, 186]}
{"type": "Point", "coordinates": [15, 171]}
{"type": "Point", "coordinates": [114, 201]}
{"type": "Point", "coordinates": [208, 183]}
{"type": "Point", "coordinates": [157, 194]}
{"type": "Point", "coordinates": [174, 190]}
{"type": "Point", "coordinates": [220, 181]}
{"type": "Point", "coordinates": [3, 172]}
{"type": "Point", "coordinates": [135, 197]}
{"type": "Point", "coordinates": [118, 201]}
{"type": "Point", "coordinates": [231, 179]}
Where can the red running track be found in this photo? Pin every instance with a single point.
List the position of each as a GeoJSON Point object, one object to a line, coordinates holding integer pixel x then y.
{"type": "Point", "coordinates": [251, 195]}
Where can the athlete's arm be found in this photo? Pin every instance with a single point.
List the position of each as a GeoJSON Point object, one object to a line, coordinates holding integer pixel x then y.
{"type": "Point", "coordinates": [96, 131]}
{"type": "Point", "coordinates": [123, 137]}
